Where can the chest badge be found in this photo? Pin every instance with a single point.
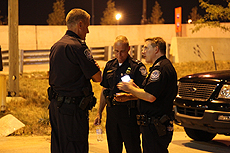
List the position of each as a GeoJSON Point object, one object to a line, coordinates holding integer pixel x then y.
{"type": "Point", "coordinates": [128, 70]}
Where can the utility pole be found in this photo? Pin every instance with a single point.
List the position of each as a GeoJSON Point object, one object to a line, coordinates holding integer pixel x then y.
{"type": "Point", "coordinates": [13, 48]}
{"type": "Point", "coordinates": [144, 20]}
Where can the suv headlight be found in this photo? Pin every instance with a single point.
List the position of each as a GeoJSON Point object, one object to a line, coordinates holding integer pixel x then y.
{"type": "Point", "coordinates": [224, 92]}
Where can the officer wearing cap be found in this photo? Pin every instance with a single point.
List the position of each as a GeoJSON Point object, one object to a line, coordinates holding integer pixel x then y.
{"type": "Point", "coordinates": [71, 69]}
{"type": "Point", "coordinates": [121, 124]}
{"type": "Point", "coordinates": [156, 98]}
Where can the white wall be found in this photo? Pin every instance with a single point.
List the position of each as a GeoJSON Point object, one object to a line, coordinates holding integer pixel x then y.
{"type": "Point", "coordinates": [43, 37]}
{"type": "Point", "coordinates": [186, 49]}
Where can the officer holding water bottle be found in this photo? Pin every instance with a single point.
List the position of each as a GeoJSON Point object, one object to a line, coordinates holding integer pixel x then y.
{"type": "Point", "coordinates": [121, 123]}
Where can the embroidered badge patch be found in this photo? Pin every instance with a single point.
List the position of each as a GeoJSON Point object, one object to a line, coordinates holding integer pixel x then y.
{"type": "Point", "coordinates": [143, 71]}
{"type": "Point", "coordinates": [88, 54]}
{"type": "Point", "coordinates": [155, 75]}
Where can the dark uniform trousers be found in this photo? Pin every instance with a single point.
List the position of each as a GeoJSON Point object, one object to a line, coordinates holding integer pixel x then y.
{"type": "Point", "coordinates": [152, 142]}
{"type": "Point", "coordinates": [70, 128]}
{"type": "Point", "coordinates": [121, 126]}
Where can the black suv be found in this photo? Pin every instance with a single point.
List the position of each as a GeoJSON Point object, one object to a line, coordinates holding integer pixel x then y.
{"type": "Point", "coordinates": [202, 105]}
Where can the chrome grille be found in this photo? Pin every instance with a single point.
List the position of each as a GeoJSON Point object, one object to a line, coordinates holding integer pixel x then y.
{"type": "Point", "coordinates": [196, 91]}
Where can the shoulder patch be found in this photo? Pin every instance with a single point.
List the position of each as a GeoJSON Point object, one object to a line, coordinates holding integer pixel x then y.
{"type": "Point", "coordinates": [88, 54]}
{"type": "Point", "coordinates": [155, 75]}
{"type": "Point", "coordinates": [143, 71]}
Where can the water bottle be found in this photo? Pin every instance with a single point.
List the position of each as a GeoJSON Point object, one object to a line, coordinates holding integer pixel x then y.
{"type": "Point", "coordinates": [99, 133]}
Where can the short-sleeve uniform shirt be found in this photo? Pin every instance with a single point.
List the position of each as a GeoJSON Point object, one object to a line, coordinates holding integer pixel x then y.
{"type": "Point", "coordinates": [71, 65]}
{"type": "Point", "coordinates": [161, 82]}
{"type": "Point", "coordinates": [113, 72]}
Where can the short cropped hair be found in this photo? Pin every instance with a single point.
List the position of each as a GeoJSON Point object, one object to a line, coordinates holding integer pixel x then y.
{"type": "Point", "coordinates": [76, 15]}
{"type": "Point", "coordinates": [158, 41]}
{"type": "Point", "coordinates": [122, 39]}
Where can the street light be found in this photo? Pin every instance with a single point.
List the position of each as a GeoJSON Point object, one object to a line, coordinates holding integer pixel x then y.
{"type": "Point", "coordinates": [118, 16]}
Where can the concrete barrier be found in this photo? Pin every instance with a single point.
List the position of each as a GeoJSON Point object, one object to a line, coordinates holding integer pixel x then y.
{"type": "Point", "coordinates": [185, 49]}
{"type": "Point", "coordinates": [38, 37]}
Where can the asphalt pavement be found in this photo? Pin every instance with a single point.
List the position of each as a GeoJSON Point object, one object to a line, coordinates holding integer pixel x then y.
{"type": "Point", "coordinates": [181, 143]}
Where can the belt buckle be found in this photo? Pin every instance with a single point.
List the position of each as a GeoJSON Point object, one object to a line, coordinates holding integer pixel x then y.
{"type": "Point", "coordinates": [60, 98]}
{"type": "Point", "coordinates": [67, 100]}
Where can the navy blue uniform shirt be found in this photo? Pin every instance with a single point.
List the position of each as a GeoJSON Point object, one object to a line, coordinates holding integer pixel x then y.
{"type": "Point", "coordinates": [113, 72]}
{"type": "Point", "coordinates": [161, 83]}
{"type": "Point", "coordinates": [71, 66]}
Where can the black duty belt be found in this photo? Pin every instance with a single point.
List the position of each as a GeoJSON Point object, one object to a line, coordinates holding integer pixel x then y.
{"type": "Point", "coordinates": [145, 120]}
{"type": "Point", "coordinates": [69, 100]}
{"type": "Point", "coordinates": [131, 103]}
{"type": "Point", "coordinates": [66, 99]}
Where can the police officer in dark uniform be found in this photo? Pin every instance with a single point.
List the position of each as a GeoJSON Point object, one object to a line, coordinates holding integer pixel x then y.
{"type": "Point", "coordinates": [71, 68]}
{"type": "Point", "coordinates": [156, 98]}
{"type": "Point", "coordinates": [121, 124]}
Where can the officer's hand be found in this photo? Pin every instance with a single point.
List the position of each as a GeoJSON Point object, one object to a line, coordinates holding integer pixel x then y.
{"type": "Point", "coordinates": [97, 120]}
{"type": "Point", "coordinates": [126, 86]}
{"type": "Point", "coordinates": [123, 97]}
{"type": "Point", "coordinates": [97, 64]}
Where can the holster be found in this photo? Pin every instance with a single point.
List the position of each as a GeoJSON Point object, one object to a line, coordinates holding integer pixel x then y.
{"type": "Point", "coordinates": [88, 101]}
{"type": "Point", "coordinates": [161, 128]}
{"type": "Point", "coordinates": [53, 95]}
{"type": "Point", "coordinates": [108, 98]}
{"type": "Point", "coordinates": [159, 123]}
{"type": "Point", "coordinates": [50, 93]}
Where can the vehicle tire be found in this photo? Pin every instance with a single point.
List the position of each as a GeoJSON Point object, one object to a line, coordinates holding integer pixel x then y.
{"type": "Point", "coordinates": [199, 135]}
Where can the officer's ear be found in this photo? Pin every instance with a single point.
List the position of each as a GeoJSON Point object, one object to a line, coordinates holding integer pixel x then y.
{"type": "Point", "coordinates": [80, 24]}
{"type": "Point", "coordinates": [128, 48]}
{"type": "Point", "coordinates": [157, 49]}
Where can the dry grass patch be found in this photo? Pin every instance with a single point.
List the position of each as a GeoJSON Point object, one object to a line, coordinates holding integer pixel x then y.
{"type": "Point", "coordinates": [33, 110]}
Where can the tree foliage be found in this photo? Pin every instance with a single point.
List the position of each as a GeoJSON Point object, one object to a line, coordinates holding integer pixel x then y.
{"type": "Point", "coordinates": [109, 14]}
{"type": "Point", "coordinates": [57, 17]}
{"type": "Point", "coordinates": [214, 15]}
{"type": "Point", "coordinates": [194, 15]}
{"type": "Point", "coordinates": [3, 20]}
{"type": "Point", "coordinates": [156, 14]}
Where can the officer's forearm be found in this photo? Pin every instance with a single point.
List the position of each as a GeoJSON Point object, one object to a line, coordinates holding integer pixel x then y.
{"type": "Point", "coordinates": [141, 94]}
{"type": "Point", "coordinates": [102, 103]}
{"type": "Point", "coordinates": [97, 77]}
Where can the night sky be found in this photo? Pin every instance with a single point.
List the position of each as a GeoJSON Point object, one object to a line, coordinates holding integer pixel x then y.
{"type": "Point", "coordinates": [35, 12]}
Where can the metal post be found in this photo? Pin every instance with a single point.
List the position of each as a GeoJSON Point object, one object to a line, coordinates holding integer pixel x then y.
{"type": "Point", "coordinates": [3, 92]}
{"type": "Point", "coordinates": [1, 65]}
{"type": "Point", "coordinates": [131, 51]}
{"type": "Point", "coordinates": [110, 52]}
{"type": "Point", "coordinates": [13, 48]}
{"type": "Point", "coordinates": [21, 59]}
{"type": "Point", "coordinates": [139, 52]}
{"type": "Point", "coordinates": [214, 59]}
